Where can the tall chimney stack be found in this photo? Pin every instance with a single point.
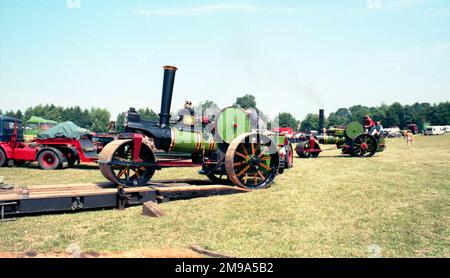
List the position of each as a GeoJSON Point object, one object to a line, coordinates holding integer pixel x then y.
{"type": "Point", "coordinates": [321, 120]}
{"type": "Point", "coordinates": [167, 92]}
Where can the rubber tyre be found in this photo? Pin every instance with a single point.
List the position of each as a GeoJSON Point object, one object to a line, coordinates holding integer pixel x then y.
{"type": "Point", "coordinates": [3, 158]}
{"type": "Point", "coordinates": [48, 160]}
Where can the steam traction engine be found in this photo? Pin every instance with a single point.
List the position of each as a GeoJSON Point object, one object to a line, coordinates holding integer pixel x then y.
{"type": "Point", "coordinates": [232, 150]}
{"type": "Point", "coordinates": [352, 140]}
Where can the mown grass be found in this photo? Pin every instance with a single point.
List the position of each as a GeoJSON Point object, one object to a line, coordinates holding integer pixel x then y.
{"type": "Point", "coordinates": [332, 206]}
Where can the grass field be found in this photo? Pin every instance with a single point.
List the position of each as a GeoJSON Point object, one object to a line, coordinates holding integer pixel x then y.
{"type": "Point", "coordinates": [332, 206]}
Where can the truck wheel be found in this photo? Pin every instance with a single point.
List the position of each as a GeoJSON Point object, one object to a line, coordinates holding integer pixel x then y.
{"type": "Point", "coordinates": [48, 160]}
{"type": "Point", "coordinates": [2, 158]}
{"type": "Point", "coordinates": [71, 162]}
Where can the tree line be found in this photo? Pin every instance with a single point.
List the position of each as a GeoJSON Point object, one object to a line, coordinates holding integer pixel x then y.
{"type": "Point", "coordinates": [394, 115]}
{"type": "Point", "coordinates": [97, 119]}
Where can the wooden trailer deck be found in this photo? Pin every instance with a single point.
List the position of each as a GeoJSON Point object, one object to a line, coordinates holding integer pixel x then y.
{"type": "Point", "coordinates": [82, 196]}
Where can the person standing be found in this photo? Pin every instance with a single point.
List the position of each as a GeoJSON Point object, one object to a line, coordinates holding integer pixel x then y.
{"type": "Point", "coordinates": [409, 139]}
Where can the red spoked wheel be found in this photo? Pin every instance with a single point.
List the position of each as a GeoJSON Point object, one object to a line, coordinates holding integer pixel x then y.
{"type": "Point", "coordinates": [48, 160]}
{"type": "Point", "coordinates": [252, 161]}
{"type": "Point", "coordinates": [122, 174]}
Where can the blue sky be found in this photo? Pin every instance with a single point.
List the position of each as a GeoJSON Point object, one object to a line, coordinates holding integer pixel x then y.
{"type": "Point", "coordinates": [294, 56]}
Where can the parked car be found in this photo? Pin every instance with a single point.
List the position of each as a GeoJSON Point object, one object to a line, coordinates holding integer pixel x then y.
{"type": "Point", "coordinates": [392, 132]}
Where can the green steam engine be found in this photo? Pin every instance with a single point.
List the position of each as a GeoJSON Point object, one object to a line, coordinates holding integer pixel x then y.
{"type": "Point", "coordinates": [352, 140]}
{"type": "Point", "coordinates": [233, 149]}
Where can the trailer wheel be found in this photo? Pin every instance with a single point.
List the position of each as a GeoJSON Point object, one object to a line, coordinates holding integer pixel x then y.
{"type": "Point", "coordinates": [2, 158]}
{"type": "Point", "coordinates": [48, 160]}
{"type": "Point", "coordinates": [71, 162]}
{"type": "Point", "coordinates": [71, 155]}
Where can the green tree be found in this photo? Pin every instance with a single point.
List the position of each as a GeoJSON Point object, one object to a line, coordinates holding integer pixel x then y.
{"type": "Point", "coordinates": [10, 113]}
{"type": "Point", "coordinates": [311, 122]}
{"type": "Point", "coordinates": [245, 102]}
{"type": "Point", "coordinates": [394, 115]}
{"type": "Point", "coordinates": [205, 106]}
{"type": "Point", "coordinates": [287, 120]}
{"type": "Point", "coordinates": [341, 117]}
{"type": "Point", "coordinates": [439, 114]}
{"type": "Point", "coordinates": [119, 122]}
{"type": "Point", "coordinates": [148, 114]}
{"type": "Point", "coordinates": [99, 119]}
{"type": "Point", "coordinates": [358, 112]}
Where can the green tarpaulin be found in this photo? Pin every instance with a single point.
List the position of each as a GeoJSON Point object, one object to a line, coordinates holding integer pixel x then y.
{"type": "Point", "coordinates": [64, 130]}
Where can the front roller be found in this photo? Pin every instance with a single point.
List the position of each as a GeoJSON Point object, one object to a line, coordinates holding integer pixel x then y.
{"type": "Point", "coordinates": [117, 163]}
{"type": "Point", "coordinates": [252, 161]}
{"type": "Point", "coordinates": [303, 150]}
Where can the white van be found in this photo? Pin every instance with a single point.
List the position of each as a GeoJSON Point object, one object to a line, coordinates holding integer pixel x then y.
{"type": "Point", "coordinates": [447, 128]}
{"type": "Point", "coordinates": [433, 130]}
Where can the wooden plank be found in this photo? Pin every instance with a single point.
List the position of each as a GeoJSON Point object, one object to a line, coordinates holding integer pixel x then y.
{"type": "Point", "coordinates": [71, 191]}
{"type": "Point", "coordinates": [9, 197]}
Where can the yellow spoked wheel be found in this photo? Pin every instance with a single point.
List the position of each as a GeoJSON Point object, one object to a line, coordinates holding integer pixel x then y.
{"type": "Point", "coordinates": [252, 161]}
